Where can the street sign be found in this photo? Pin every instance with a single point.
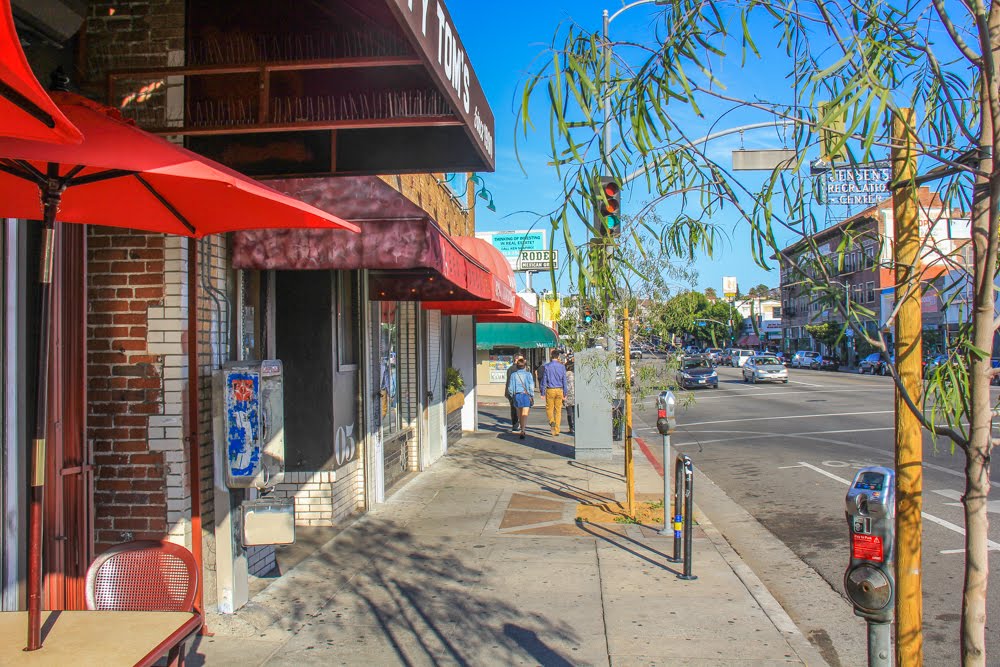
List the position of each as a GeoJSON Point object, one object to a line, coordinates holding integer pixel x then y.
{"type": "Point", "coordinates": [537, 260]}
{"type": "Point", "coordinates": [766, 160]}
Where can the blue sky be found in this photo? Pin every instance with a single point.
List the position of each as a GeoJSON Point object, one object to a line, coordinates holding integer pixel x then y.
{"type": "Point", "coordinates": [503, 42]}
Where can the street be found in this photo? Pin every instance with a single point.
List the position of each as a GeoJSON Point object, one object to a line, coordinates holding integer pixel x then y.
{"type": "Point", "coordinates": [787, 454]}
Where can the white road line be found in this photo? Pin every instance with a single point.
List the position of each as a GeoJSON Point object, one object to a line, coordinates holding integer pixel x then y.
{"type": "Point", "coordinates": [741, 393]}
{"type": "Point", "coordinates": [990, 544]}
{"type": "Point", "coordinates": [758, 419]}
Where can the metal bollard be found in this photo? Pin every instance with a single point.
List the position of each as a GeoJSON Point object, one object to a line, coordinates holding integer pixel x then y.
{"type": "Point", "coordinates": [688, 518]}
{"type": "Point", "coordinates": [678, 504]}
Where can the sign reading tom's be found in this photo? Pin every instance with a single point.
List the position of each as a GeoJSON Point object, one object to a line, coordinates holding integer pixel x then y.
{"type": "Point", "coordinates": [432, 30]}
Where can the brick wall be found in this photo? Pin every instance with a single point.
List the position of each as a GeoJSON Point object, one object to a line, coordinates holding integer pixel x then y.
{"type": "Point", "coordinates": [425, 191]}
{"type": "Point", "coordinates": [124, 385]}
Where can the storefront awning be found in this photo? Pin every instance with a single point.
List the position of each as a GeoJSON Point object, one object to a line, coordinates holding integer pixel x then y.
{"type": "Point", "coordinates": [322, 88]}
{"type": "Point", "coordinates": [409, 256]}
{"type": "Point", "coordinates": [502, 294]}
{"type": "Point", "coordinates": [521, 311]}
{"type": "Point", "coordinates": [521, 336]}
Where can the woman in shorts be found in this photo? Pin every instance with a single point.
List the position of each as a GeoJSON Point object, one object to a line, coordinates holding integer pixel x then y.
{"type": "Point", "coordinates": [522, 387]}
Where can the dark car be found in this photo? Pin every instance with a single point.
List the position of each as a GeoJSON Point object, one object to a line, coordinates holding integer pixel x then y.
{"type": "Point", "coordinates": [871, 364]}
{"type": "Point", "coordinates": [829, 364]}
{"type": "Point", "coordinates": [697, 371]}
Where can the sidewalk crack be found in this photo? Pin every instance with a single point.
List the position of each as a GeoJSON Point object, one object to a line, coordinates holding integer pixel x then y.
{"type": "Point", "coordinates": [604, 607]}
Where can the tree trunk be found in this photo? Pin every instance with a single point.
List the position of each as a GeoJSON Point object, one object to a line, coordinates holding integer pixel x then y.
{"type": "Point", "coordinates": [986, 194]}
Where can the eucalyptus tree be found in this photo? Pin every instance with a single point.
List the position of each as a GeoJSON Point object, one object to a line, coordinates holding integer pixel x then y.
{"type": "Point", "coordinates": [838, 72]}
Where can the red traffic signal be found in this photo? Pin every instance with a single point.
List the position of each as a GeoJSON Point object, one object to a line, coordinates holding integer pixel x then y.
{"type": "Point", "coordinates": [609, 207]}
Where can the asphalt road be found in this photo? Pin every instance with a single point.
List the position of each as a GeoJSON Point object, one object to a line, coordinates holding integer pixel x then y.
{"type": "Point", "coordinates": [787, 453]}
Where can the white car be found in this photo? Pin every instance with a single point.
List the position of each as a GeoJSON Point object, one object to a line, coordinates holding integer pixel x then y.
{"type": "Point", "coordinates": [740, 357]}
{"type": "Point", "coordinates": [806, 359]}
{"type": "Point", "coordinates": [764, 368]}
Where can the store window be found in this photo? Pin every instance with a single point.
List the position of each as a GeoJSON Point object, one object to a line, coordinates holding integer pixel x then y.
{"type": "Point", "coordinates": [348, 315]}
{"type": "Point", "coordinates": [389, 363]}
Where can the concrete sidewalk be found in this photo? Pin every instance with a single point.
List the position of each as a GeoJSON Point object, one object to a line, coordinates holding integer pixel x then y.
{"type": "Point", "coordinates": [479, 561]}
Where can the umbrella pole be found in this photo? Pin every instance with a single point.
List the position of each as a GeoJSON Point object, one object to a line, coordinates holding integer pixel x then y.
{"type": "Point", "coordinates": [51, 195]}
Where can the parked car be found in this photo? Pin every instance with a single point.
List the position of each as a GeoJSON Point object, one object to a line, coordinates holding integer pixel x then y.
{"type": "Point", "coordinates": [739, 357]}
{"type": "Point", "coordinates": [635, 353]}
{"type": "Point", "coordinates": [829, 364]}
{"type": "Point", "coordinates": [697, 371]}
{"type": "Point", "coordinates": [806, 359]}
{"type": "Point", "coordinates": [871, 364]}
{"type": "Point", "coordinates": [764, 368]}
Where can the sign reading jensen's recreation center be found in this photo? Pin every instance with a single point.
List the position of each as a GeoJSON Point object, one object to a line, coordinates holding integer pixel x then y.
{"type": "Point", "coordinates": [865, 185]}
{"type": "Point", "coordinates": [537, 260]}
{"type": "Point", "coordinates": [510, 244]}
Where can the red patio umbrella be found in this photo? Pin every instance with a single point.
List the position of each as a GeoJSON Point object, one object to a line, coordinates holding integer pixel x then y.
{"type": "Point", "coordinates": [26, 110]}
{"type": "Point", "coordinates": [120, 176]}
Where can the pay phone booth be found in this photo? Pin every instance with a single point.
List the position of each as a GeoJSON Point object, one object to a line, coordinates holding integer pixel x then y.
{"type": "Point", "coordinates": [869, 581]}
{"type": "Point", "coordinates": [248, 428]}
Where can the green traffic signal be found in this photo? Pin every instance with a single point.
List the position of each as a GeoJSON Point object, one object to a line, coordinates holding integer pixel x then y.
{"type": "Point", "coordinates": [609, 206]}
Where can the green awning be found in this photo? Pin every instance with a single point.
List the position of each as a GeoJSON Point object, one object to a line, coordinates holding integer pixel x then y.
{"type": "Point", "coordinates": [524, 336]}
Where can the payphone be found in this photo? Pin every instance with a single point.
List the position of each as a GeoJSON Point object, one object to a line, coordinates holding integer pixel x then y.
{"type": "Point", "coordinates": [869, 580]}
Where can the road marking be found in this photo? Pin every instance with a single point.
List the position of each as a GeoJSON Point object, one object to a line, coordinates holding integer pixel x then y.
{"type": "Point", "coordinates": [730, 392]}
{"type": "Point", "coordinates": [992, 506]}
{"type": "Point", "coordinates": [758, 419]}
{"type": "Point", "coordinates": [990, 544]}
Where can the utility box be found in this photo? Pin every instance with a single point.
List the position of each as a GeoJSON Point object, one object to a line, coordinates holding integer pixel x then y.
{"type": "Point", "coordinates": [594, 376]}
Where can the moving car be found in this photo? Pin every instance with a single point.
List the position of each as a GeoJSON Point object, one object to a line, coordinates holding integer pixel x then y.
{"type": "Point", "coordinates": [740, 357]}
{"type": "Point", "coordinates": [713, 354]}
{"type": "Point", "coordinates": [806, 359]}
{"type": "Point", "coordinates": [635, 353]}
{"type": "Point", "coordinates": [697, 371]}
{"type": "Point", "coordinates": [764, 368]}
{"type": "Point", "coordinates": [829, 364]}
{"type": "Point", "coordinates": [725, 357]}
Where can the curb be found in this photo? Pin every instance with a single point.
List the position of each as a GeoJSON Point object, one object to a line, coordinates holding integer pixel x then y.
{"type": "Point", "coordinates": [770, 606]}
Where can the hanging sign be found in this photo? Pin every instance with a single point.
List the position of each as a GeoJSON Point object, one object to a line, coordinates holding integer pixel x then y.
{"type": "Point", "coordinates": [864, 184]}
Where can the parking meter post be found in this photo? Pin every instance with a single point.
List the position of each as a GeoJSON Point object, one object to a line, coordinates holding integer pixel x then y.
{"type": "Point", "coordinates": [688, 518]}
{"type": "Point", "coordinates": [870, 577]}
{"type": "Point", "coordinates": [666, 422]}
{"type": "Point", "coordinates": [879, 644]}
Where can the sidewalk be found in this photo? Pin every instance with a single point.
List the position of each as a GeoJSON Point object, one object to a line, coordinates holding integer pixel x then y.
{"type": "Point", "coordinates": [479, 561]}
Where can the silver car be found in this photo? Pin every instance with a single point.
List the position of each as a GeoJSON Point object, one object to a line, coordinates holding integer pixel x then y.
{"type": "Point", "coordinates": [764, 368]}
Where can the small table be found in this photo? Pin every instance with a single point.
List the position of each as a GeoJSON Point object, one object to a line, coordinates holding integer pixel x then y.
{"type": "Point", "coordinates": [95, 638]}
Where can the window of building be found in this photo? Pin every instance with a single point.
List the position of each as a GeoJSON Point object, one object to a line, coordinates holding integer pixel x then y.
{"type": "Point", "coordinates": [776, 313]}
{"type": "Point", "coordinates": [388, 356]}
{"type": "Point", "coordinates": [348, 315]}
{"type": "Point", "coordinates": [870, 295]}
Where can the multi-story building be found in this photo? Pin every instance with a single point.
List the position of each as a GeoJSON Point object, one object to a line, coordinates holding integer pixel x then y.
{"type": "Point", "coordinates": [857, 256]}
{"type": "Point", "coordinates": [761, 325]}
{"type": "Point", "coordinates": [353, 107]}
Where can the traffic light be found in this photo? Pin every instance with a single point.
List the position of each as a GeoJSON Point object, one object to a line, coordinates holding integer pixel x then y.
{"type": "Point", "coordinates": [608, 207]}
{"type": "Point", "coordinates": [587, 316]}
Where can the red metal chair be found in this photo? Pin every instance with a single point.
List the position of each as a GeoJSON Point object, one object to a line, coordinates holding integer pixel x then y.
{"type": "Point", "coordinates": [144, 576]}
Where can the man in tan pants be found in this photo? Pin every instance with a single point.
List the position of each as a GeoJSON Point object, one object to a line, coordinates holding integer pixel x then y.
{"type": "Point", "coordinates": [552, 385]}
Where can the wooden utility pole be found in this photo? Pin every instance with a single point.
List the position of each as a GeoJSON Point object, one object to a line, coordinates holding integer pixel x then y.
{"type": "Point", "coordinates": [627, 381]}
{"type": "Point", "coordinates": [909, 355]}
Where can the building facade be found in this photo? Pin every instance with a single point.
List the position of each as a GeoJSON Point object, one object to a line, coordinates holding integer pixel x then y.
{"type": "Point", "coordinates": [362, 119]}
{"type": "Point", "coordinates": [855, 257]}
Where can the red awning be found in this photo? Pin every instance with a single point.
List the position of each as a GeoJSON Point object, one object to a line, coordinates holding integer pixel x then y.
{"type": "Point", "coordinates": [410, 260]}
{"type": "Point", "coordinates": [522, 311]}
{"type": "Point", "coordinates": [502, 288]}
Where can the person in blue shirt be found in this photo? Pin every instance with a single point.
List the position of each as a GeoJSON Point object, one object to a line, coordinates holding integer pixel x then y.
{"type": "Point", "coordinates": [552, 385]}
{"type": "Point", "coordinates": [521, 386]}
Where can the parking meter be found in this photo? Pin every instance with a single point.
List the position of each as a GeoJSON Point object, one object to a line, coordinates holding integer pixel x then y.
{"type": "Point", "coordinates": [666, 419]}
{"type": "Point", "coordinates": [871, 513]}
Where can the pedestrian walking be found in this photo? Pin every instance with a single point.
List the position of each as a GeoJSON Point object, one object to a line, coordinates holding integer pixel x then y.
{"type": "Point", "coordinates": [514, 410]}
{"type": "Point", "coordinates": [570, 399]}
{"type": "Point", "coordinates": [552, 385]}
{"type": "Point", "coordinates": [522, 387]}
